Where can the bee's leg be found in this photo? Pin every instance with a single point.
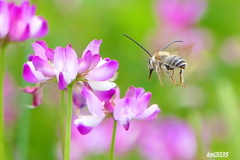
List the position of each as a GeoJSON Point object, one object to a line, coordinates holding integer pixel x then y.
{"type": "Point", "coordinates": [162, 72]}
{"type": "Point", "coordinates": [159, 75]}
{"type": "Point", "coordinates": [166, 70]}
{"type": "Point", "coordinates": [181, 78]}
{"type": "Point", "coordinates": [172, 72]}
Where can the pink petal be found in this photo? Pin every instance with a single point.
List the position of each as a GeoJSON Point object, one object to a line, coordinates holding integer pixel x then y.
{"type": "Point", "coordinates": [143, 102]}
{"type": "Point", "coordinates": [130, 92]}
{"type": "Point", "coordinates": [19, 30]}
{"type": "Point", "coordinates": [127, 125]}
{"type": "Point", "coordinates": [30, 57]}
{"type": "Point", "coordinates": [31, 75]}
{"type": "Point", "coordinates": [104, 72]}
{"type": "Point", "coordinates": [134, 92]}
{"type": "Point", "coordinates": [105, 95]}
{"type": "Point", "coordinates": [66, 60]}
{"type": "Point", "coordinates": [59, 58]}
{"type": "Point", "coordinates": [95, 106]}
{"type": "Point", "coordinates": [4, 19]}
{"type": "Point", "coordinates": [117, 94]}
{"type": "Point", "coordinates": [71, 62]}
{"type": "Point", "coordinates": [84, 129]}
{"type": "Point", "coordinates": [123, 111]}
{"type": "Point", "coordinates": [38, 27]}
{"type": "Point", "coordinates": [39, 51]}
{"type": "Point", "coordinates": [84, 63]}
{"type": "Point", "coordinates": [50, 54]}
{"type": "Point", "coordinates": [29, 90]}
{"type": "Point", "coordinates": [43, 44]}
{"type": "Point", "coordinates": [109, 106]}
{"type": "Point", "coordinates": [96, 58]}
{"type": "Point", "coordinates": [150, 113]}
{"type": "Point", "coordinates": [24, 34]}
{"type": "Point", "coordinates": [37, 94]}
{"type": "Point", "coordinates": [85, 124]}
{"type": "Point", "coordinates": [93, 46]}
{"type": "Point", "coordinates": [62, 82]}
{"type": "Point", "coordinates": [42, 66]}
{"type": "Point", "coordinates": [138, 92]}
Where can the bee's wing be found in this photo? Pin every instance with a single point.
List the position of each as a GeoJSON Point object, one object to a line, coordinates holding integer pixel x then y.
{"type": "Point", "coordinates": [183, 50]}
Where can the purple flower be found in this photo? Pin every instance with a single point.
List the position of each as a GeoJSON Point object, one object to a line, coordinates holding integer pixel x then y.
{"type": "Point", "coordinates": [134, 106]}
{"type": "Point", "coordinates": [47, 64]}
{"type": "Point", "coordinates": [85, 123]}
{"type": "Point", "coordinates": [65, 65]}
{"type": "Point", "coordinates": [98, 72]}
{"type": "Point", "coordinates": [62, 64]}
{"type": "Point", "coordinates": [19, 23]}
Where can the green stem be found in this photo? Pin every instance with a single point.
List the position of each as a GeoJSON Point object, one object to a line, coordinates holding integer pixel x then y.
{"type": "Point", "coordinates": [68, 124]}
{"type": "Point", "coordinates": [2, 57]}
{"type": "Point", "coordinates": [113, 140]}
{"type": "Point", "coordinates": [24, 118]}
{"type": "Point", "coordinates": [62, 118]}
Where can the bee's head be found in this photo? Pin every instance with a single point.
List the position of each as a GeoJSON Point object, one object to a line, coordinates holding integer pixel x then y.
{"type": "Point", "coordinates": [150, 64]}
{"type": "Point", "coordinates": [151, 67]}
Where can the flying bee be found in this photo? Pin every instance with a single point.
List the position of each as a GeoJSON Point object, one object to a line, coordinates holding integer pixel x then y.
{"type": "Point", "coordinates": [163, 61]}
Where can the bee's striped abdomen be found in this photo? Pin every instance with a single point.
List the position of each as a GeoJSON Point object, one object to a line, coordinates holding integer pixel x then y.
{"type": "Point", "coordinates": [176, 61]}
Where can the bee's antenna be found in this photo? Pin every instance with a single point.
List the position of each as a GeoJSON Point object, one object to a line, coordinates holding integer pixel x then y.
{"type": "Point", "coordinates": [138, 44]}
{"type": "Point", "coordinates": [169, 45]}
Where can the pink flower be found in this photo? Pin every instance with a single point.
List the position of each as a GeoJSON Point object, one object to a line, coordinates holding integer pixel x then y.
{"type": "Point", "coordinates": [98, 72]}
{"type": "Point", "coordinates": [134, 106]}
{"type": "Point", "coordinates": [168, 139]}
{"type": "Point", "coordinates": [19, 23]}
{"type": "Point", "coordinates": [65, 65]}
{"type": "Point", "coordinates": [47, 64]}
{"type": "Point", "coordinates": [86, 122]}
{"type": "Point", "coordinates": [62, 64]}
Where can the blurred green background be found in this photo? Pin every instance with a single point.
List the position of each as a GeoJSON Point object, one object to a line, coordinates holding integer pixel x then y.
{"type": "Point", "coordinates": [210, 101]}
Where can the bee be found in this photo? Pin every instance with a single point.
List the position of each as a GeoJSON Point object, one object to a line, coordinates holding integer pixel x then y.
{"type": "Point", "coordinates": [163, 61]}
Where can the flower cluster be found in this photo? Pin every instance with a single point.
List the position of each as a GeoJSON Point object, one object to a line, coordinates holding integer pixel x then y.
{"type": "Point", "coordinates": [62, 65]}
{"type": "Point", "coordinates": [134, 105]}
{"type": "Point", "coordinates": [47, 64]}
{"type": "Point", "coordinates": [19, 23]}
